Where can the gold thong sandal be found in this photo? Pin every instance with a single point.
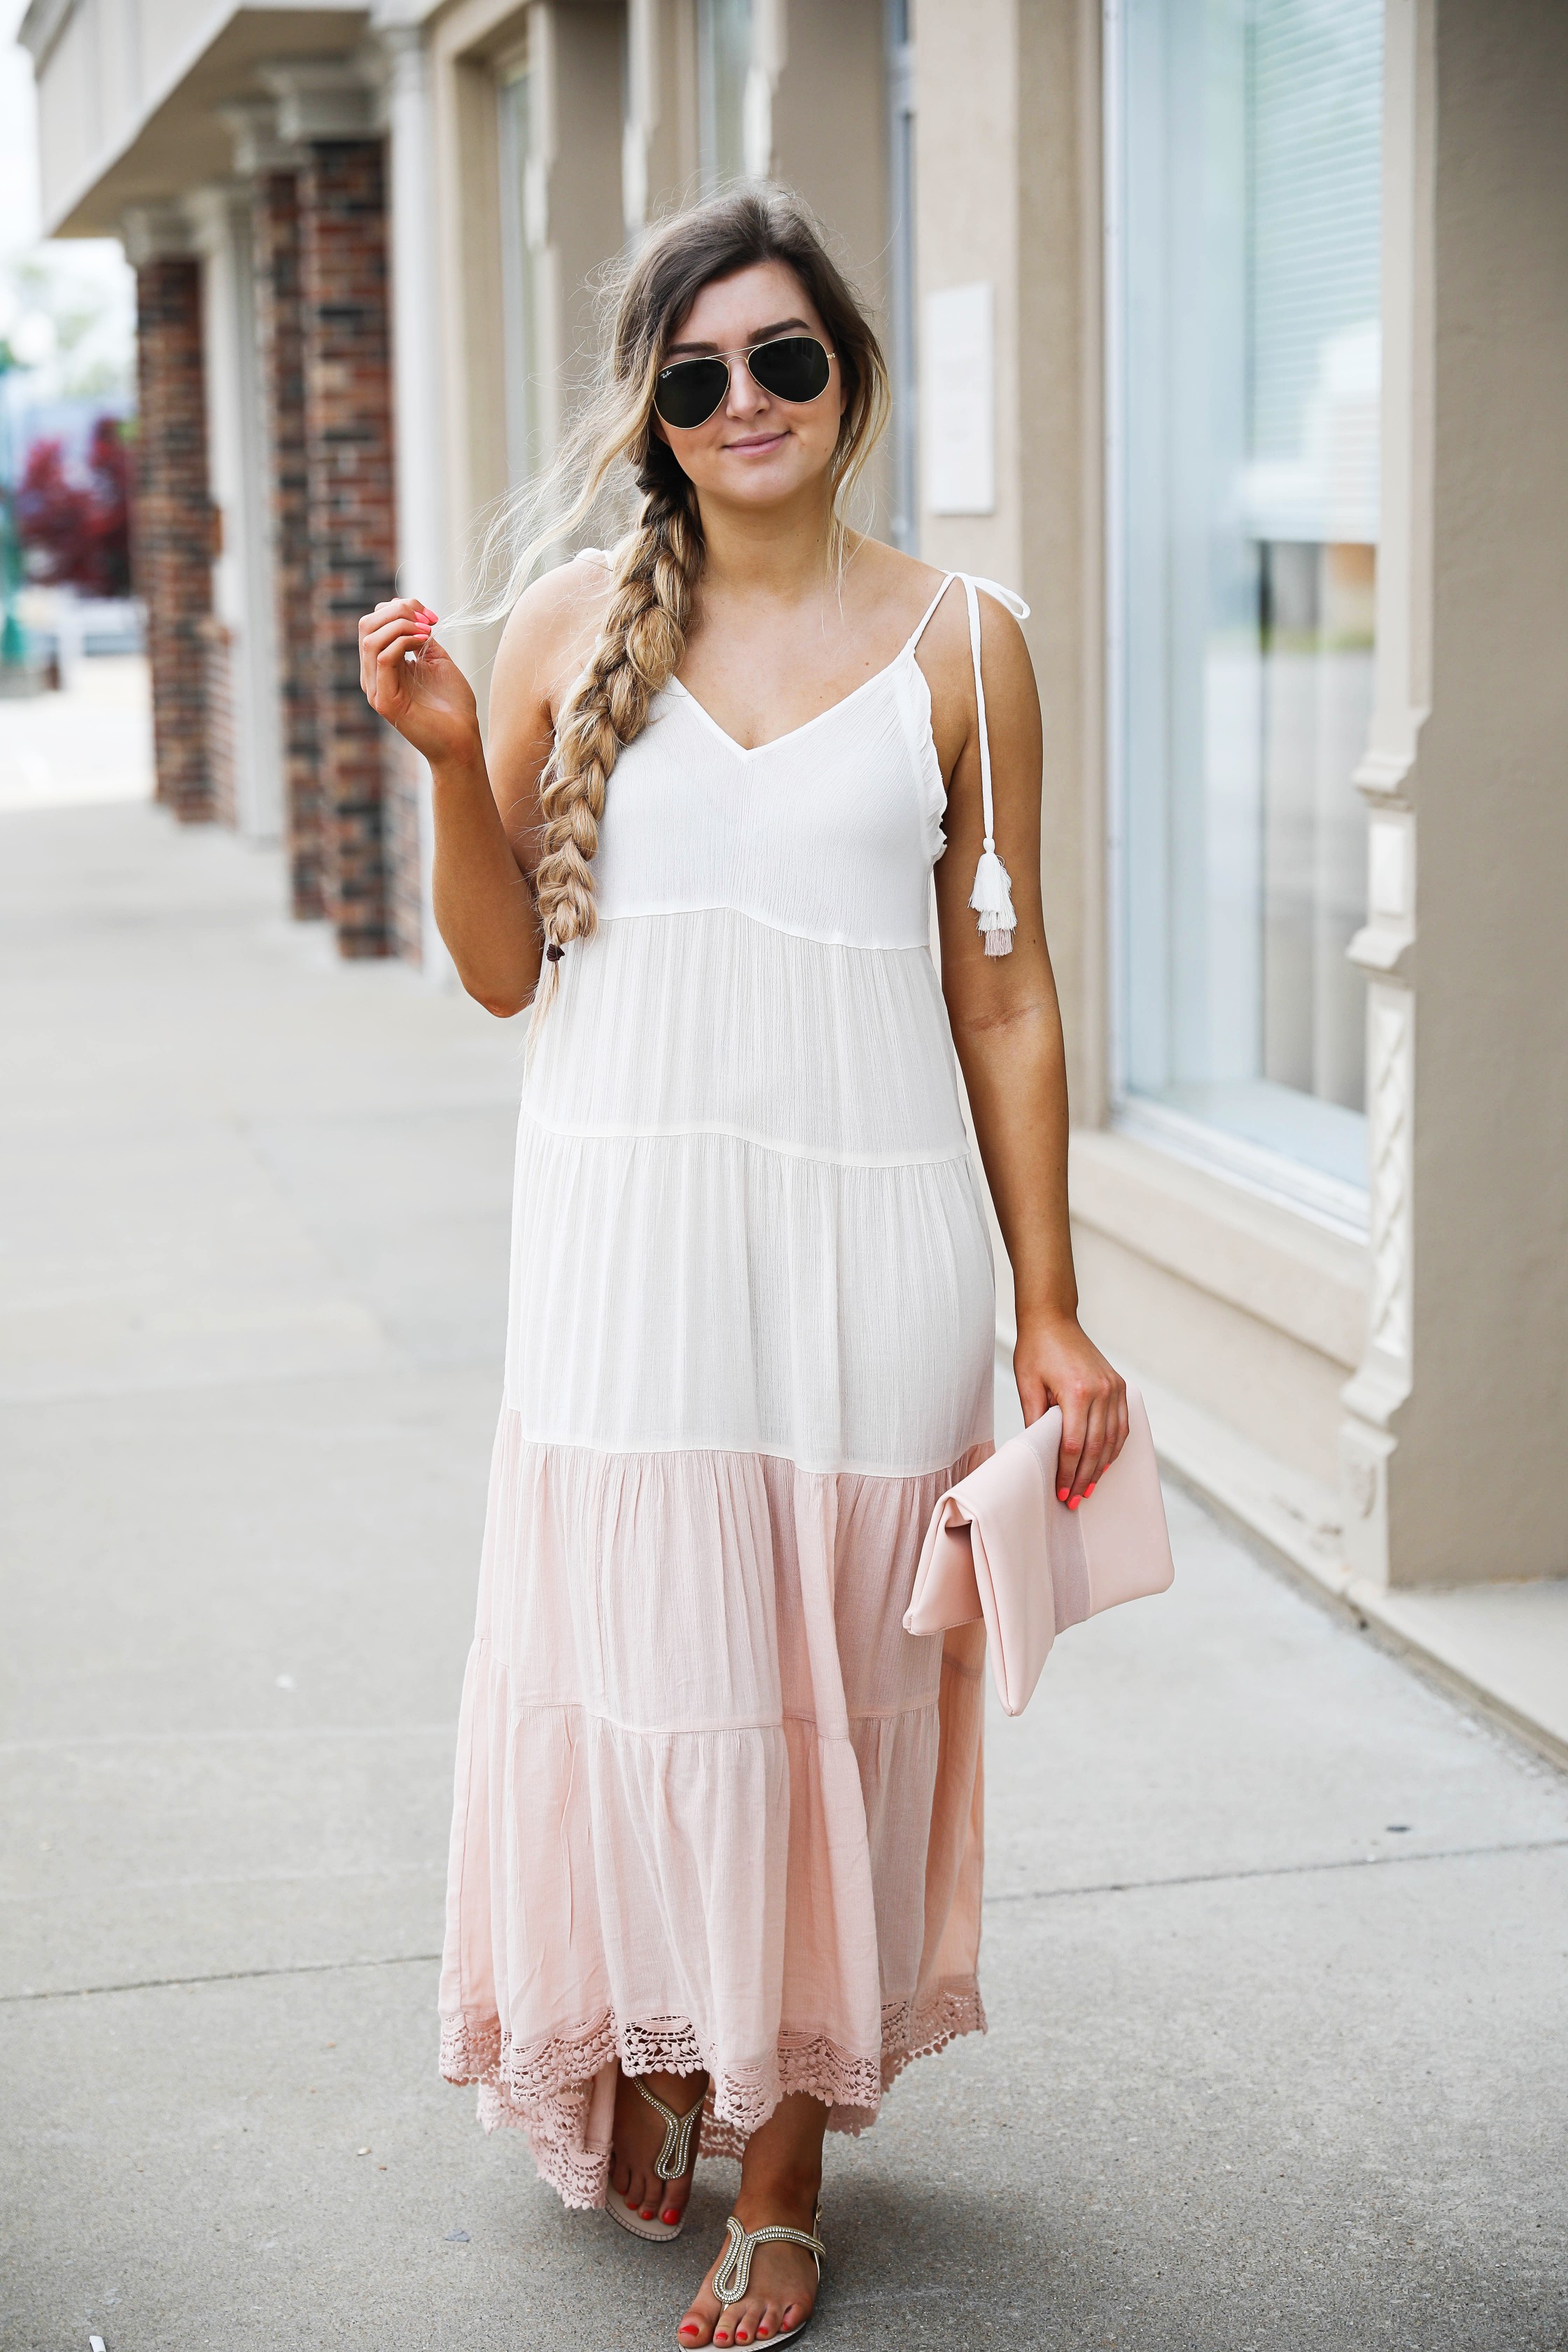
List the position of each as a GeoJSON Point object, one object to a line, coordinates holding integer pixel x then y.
{"type": "Point", "coordinates": [674, 2158]}
{"type": "Point", "coordinates": [734, 2276]}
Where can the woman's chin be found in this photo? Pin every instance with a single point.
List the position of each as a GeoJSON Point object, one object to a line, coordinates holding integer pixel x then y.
{"type": "Point", "coordinates": [765, 479]}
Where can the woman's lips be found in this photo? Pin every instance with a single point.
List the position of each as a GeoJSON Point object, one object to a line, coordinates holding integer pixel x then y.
{"type": "Point", "coordinates": [758, 441]}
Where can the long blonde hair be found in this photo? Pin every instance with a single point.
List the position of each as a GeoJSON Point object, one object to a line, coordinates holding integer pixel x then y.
{"type": "Point", "coordinates": [660, 562]}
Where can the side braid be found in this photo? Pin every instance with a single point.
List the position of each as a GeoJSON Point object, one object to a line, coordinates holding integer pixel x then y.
{"type": "Point", "coordinates": [639, 649]}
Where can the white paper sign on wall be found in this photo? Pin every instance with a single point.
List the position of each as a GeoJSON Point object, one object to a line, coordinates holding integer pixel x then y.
{"type": "Point", "coordinates": [959, 409]}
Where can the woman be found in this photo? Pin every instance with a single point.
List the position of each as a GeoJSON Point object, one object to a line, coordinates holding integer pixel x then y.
{"type": "Point", "coordinates": [717, 1833]}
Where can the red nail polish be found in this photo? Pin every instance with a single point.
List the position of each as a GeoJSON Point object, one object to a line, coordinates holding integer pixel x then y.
{"type": "Point", "coordinates": [1075, 1502]}
{"type": "Point", "coordinates": [1061, 1494]}
{"type": "Point", "coordinates": [1089, 1489]}
{"type": "Point", "coordinates": [671, 2215]}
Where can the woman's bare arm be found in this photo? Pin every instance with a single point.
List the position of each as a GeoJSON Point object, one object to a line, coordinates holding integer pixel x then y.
{"type": "Point", "coordinates": [1006, 1027]}
{"type": "Point", "coordinates": [485, 811]}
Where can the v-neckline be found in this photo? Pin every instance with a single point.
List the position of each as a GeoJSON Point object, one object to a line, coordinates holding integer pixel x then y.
{"type": "Point", "coordinates": [755, 751]}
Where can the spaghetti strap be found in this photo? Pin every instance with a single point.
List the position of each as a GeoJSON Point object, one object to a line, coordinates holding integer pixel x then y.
{"type": "Point", "coordinates": [991, 896]}
{"type": "Point", "coordinates": [913, 640]}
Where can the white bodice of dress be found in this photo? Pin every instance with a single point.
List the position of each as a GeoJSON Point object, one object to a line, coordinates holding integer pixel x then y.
{"type": "Point", "coordinates": [746, 1214]}
{"type": "Point", "coordinates": [828, 833]}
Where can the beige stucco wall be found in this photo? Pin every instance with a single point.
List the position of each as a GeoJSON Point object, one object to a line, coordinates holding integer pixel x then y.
{"type": "Point", "coordinates": [1466, 1395]}
{"type": "Point", "coordinates": [829, 129]}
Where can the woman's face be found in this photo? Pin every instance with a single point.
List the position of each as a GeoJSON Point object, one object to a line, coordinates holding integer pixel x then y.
{"type": "Point", "coordinates": [754, 450]}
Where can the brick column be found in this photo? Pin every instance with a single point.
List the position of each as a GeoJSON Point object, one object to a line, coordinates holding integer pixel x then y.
{"type": "Point", "coordinates": [349, 474]}
{"type": "Point", "coordinates": [172, 524]}
{"type": "Point", "coordinates": [275, 217]}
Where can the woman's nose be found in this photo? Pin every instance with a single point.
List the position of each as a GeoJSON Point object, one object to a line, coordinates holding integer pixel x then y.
{"type": "Point", "coordinates": [745, 393]}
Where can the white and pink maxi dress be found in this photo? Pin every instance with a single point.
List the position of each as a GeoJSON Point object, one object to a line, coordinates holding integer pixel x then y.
{"type": "Point", "coordinates": [715, 1808]}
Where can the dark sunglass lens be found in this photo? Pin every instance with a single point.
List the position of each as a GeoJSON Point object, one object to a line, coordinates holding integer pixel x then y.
{"type": "Point", "coordinates": [792, 368]}
{"type": "Point", "coordinates": [689, 392]}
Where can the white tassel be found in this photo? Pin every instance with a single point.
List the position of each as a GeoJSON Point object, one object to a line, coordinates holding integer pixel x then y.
{"type": "Point", "coordinates": [992, 900]}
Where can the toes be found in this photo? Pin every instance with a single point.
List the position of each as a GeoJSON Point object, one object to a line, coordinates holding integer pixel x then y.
{"type": "Point", "coordinates": [672, 2196]}
{"type": "Point", "coordinates": [706, 2313]}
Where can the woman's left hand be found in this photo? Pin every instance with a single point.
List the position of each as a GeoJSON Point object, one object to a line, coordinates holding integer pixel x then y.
{"type": "Point", "coordinates": [1056, 1363]}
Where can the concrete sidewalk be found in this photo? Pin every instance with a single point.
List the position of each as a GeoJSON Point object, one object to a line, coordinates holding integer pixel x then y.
{"type": "Point", "coordinates": [1275, 1933]}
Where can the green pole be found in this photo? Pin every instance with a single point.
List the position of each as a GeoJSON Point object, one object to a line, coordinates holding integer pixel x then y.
{"type": "Point", "coordinates": [13, 635]}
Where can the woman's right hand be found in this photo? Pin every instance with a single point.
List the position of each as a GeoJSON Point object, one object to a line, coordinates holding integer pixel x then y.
{"type": "Point", "coordinates": [428, 699]}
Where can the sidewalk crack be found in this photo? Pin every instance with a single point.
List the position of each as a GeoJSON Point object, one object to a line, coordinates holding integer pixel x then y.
{"type": "Point", "coordinates": [220, 1976]}
{"type": "Point", "coordinates": [1275, 1870]}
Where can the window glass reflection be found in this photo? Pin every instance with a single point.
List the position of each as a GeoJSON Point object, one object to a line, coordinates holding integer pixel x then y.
{"type": "Point", "coordinates": [1248, 135]}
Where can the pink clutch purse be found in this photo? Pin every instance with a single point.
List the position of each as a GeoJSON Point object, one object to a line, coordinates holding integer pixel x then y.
{"type": "Point", "coordinates": [1001, 1547]}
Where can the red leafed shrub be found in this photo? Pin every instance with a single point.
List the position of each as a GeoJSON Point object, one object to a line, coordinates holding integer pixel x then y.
{"type": "Point", "coordinates": [76, 527]}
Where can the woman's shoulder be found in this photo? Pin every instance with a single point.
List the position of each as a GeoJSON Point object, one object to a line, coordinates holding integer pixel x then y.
{"type": "Point", "coordinates": [934, 602]}
{"type": "Point", "coordinates": [912, 591]}
{"type": "Point", "coordinates": [564, 596]}
{"type": "Point", "coordinates": [888, 575]}
{"type": "Point", "coordinates": [551, 628]}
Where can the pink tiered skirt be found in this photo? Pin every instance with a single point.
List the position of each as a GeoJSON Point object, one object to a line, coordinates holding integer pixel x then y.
{"type": "Point", "coordinates": [715, 1808]}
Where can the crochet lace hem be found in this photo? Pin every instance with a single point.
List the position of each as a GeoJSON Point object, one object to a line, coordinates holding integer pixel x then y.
{"type": "Point", "coordinates": [543, 2088]}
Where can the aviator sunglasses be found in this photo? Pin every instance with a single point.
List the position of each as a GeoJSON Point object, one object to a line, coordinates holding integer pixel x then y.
{"type": "Point", "coordinates": [790, 367]}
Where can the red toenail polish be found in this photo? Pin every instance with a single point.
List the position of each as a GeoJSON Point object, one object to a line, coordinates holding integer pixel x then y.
{"type": "Point", "coordinates": [671, 2215]}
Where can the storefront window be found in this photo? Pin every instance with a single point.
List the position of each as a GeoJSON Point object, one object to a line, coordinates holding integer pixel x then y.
{"type": "Point", "coordinates": [1244, 209]}
{"type": "Point", "coordinates": [723, 63]}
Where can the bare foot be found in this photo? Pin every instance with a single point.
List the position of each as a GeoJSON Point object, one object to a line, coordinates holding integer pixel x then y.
{"type": "Point", "coordinates": [781, 2179]}
{"type": "Point", "coordinates": [638, 2137]}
